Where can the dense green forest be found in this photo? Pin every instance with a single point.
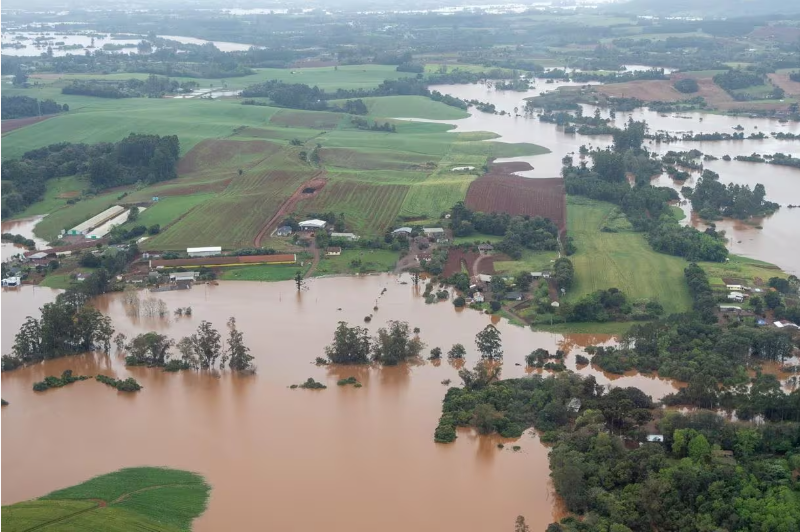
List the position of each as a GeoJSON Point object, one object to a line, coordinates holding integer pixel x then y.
{"type": "Point", "coordinates": [24, 106]}
{"type": "Point", "coordinates": [136, 158]}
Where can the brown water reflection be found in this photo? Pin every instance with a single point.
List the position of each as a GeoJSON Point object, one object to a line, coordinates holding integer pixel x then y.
{"type": "Point", "coordinates": [271, 452]}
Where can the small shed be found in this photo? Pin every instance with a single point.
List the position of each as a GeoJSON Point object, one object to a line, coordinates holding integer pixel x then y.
{"type": "Point", "coordinates": [514, 296]}
{"type": "Point", "coordinates": [204, 252]}
{"type": "Point", "coordinates": [536, 275]}
{"type": "Point", "coordinates": [485, 248]}
{"type": "Point", "coordinates": [434, 232]}
{"type": "Point", "coordinates": [38, 256]}
{"type": "Point", "coordinates": [574, 404]}
{"type": "Point", "coordinates": [477, 297]}
{"type": "Point", "coordinates": [655, 438]}
{"type": "Point", "coordinates": [333, 251]}
{"type": "Point", "coordinates": [283, 230]}
{"type": "Point", "coordinates": [730, 308]}
{"type": "Point", "coordinates": [734, 288]}
{"type": "Point", "coordinates": [11, 281]}
{"type": "Point", "coordinates": [484, 278]}
{"type": "Point", "coordinates": [736, 296]}
{"type": "Point", "coordinates": [402, 231]}
{"type": "Point", "coordinates": [313, 225]}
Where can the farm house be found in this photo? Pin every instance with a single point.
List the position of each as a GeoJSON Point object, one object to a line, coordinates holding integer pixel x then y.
{"type": "Point", "coordinates": [96, 221]}
{"type": "Point", "coordinates": [313, 225]}
{"type": "Point", "coordinates": [204, 252]}
{"type": "Point", "coordinates": [283, 230]}
{"type": "Point", "coordinates": [333, 251]}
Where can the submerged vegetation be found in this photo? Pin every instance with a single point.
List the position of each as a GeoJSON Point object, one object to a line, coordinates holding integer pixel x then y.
{"type": "Point", "coordinates": [57, 382]}
{"type": "Point", "coordinates": [127, 385]}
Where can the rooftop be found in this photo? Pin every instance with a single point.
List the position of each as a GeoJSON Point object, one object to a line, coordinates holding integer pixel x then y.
{"type": "Point", "coordinates": [402, 230]}
{"type": "Point", "coordinates": [214, 249]}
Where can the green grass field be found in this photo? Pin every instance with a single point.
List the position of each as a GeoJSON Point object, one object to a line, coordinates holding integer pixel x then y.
{"type": "Point", "coordinates": [372, 260]}
{"type": "Point", "coordinates": [744, 269]}
{"type": "Point", "coordinates": [531, 261]}
{"type": "Point", "coordinates": [262, 272]}
{"type": "Point", "coordinates": [412, 107]}
{"type": "Point", "coordinates": [621, 260]}
{"type": "Point", "coordinates": [142, 498]}
{"type": "Point", "coordinates": [170, 208]}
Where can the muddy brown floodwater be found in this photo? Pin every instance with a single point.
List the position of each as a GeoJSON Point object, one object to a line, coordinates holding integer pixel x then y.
{"type": "Point", "coordinates": [280, 459]}
{"type": "Point", "coordinates": [24, 227]}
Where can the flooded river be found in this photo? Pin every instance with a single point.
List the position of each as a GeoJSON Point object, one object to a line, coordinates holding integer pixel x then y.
{"type": "Point", "coordinates": [24, 227]}
{"type": "Point", "coordinates": [271, 453]}
{"type": "Point", "coordinates": [782, 183]}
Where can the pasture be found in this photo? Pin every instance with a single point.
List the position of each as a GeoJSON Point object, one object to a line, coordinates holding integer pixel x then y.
{"type": "Point", "coordinates": [621, 260]}
{"type": "Point", "coordinates": [358, 261]}
{"type": "Point", "coordinates": [142, 498]}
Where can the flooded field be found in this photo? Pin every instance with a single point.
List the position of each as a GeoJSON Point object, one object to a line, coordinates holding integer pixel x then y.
{"type": "Point", "coordinates": [270, 452]}
{"type": "Point", "coordinates": [782, 183]}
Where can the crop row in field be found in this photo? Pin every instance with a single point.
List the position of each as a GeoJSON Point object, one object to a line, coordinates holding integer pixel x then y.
{"type": "Point", "coordinates": [234, 217]}
{"type": "Point", "coordinates": [368, 209]}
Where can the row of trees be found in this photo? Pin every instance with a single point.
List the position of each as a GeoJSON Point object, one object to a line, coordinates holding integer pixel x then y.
{"type": "Point", "coordinates": [394, 344]}
{"type": "Point", "coordinates": [152, 87]}
{"type": "Point", "coordinates": [202, 350]}
{"type": "Point", "coordinates": [25, 106]}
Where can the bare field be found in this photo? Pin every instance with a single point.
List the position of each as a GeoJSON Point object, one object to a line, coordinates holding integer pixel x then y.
{"type": "Point", "coordinates": [520, 196]}
{"type": "Point", "coordinates": [15, 123]}
{"type": "Point", "coordinates": [792, 88]}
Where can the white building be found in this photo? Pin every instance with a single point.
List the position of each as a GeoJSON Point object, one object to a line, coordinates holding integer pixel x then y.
{"type": "Point", "coordinates": [96, 221]}
{"type": "Point", "coordinates": [433, 232]}
{"type": "Point", "coordinates": [734, 288]}
{"type": "Point", "coordinates": [184, 276]}
{"type": "Point", "coordinates": [736, 296]}
{"type": "Point", "coordinates": [12, 281]}
{"type": "Point", "coordinates": [346, 236]}
{"type": "Point", "coordinates": [402, 231]}
{"type": "Point", "coordinates": [313, 225]}
{"type": "Point", "coordinates": [204, 252]}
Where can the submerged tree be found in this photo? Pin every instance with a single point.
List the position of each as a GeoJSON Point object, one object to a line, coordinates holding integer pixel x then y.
{"type": "Point", "coordinates": [457, 351]}
{"type": "Point", "coordinates": [239, 357]}
{"type": "Point", "coordinates": [394, 344]}
{"type": "Point", "coordinates": [351, 345]}
{"type": "Point", "coordinates": [203, 348]}
{"type": "Point", "coordinates": [483, 374]}
{"type": "Point", "coordinates": [150, 349]}
{"type": "Point", "coordinates": [488, 342]}
{"type": "Point", "coordinates": [298, 280]}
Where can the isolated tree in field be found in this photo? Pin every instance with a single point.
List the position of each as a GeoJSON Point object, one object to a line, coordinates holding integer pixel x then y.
{"type": "Point", "coordinates": [488, 342]}
{"type": "Point", "coordinates": [457, 351]}
{"type": "Point", "coordinates": [394, 344]}
{"type": "Point", "coordinates": [298, 280]}
{"type": "Point", "coordinates": [351, 345]}
{"type": "Point", "coordinates": [150, 349]}
{"type": "Point", "coordinates": [239, 357]}
{"type": "Point", "coordinates": [133, 214]}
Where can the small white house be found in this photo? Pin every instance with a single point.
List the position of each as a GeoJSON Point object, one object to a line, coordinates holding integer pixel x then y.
{"type": "Point", "coordinates": [484, 278]}
{"type": "Point", "coordinates": [734, 288]}
{"type": "Point", "coordinates": [736, 296]}
{"type": "Point", "coordinates": [283, 230]}
{"type": "Point", "coordinates": [313, 225]}
{"type": "Point", "coordinates": [204, 252]}
{"type": "Point", "coordinates": [346, 236]}
{"type": "Point", "coordinates": [655, 438]}
{"type": "Point", "coordinates": [333, 251]}
{"type": "Point", "coordinates": [12, 281]}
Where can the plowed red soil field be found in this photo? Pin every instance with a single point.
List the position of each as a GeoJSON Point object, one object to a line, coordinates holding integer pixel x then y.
{"type": "Point", "coordinates": [519, 196]}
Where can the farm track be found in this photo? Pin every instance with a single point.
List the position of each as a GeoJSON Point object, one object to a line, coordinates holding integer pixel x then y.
{"type": "Point", "coordinates": [288, 206]}
{"type": "Point", "coordinates": [101, 504]}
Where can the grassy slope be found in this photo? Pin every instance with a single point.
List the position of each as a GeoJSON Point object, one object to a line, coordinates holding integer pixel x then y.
{"type": "Point", "coordinates": [143, 498]}
{"type": "Point", "coordinates": [412, 107]}
{"type": "Point", "coordinates": [623, 260]}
